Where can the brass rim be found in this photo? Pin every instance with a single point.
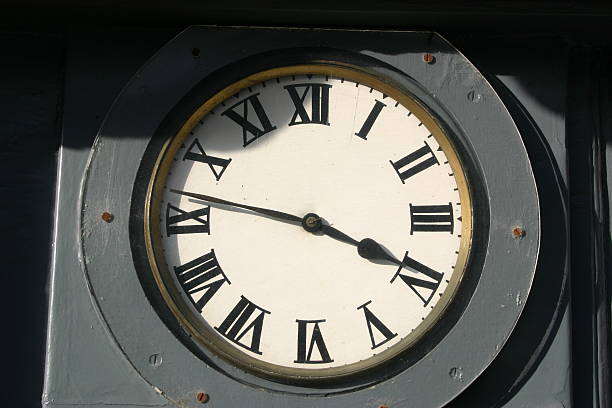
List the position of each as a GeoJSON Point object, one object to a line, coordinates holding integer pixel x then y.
{"type": "Point", "coordinates": [179, 303]}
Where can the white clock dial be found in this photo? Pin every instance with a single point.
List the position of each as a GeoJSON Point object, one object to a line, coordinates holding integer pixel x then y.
{"type": "Point", "coordinates": [304, 140]}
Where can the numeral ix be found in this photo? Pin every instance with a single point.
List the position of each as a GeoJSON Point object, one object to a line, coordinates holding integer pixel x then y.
{"type": "Point", "coordinates": [201, 216]}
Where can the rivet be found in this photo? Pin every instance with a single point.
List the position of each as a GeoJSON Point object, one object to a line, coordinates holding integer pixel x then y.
{"type": "Point", "coordinates": [195, 52]}
{"type": "Point", "coordinates": [107, 217]}
{"type": "Point", "coordinates": [202, 397]}
{"type": "Point", "coordinates": [518, 232]}
{"type": "Point", "coordinates": [429, 58]}
{"type": "Point", "coordinates": [383, 406]}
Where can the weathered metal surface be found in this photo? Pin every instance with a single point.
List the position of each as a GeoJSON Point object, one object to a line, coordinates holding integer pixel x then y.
{"type": "Point", "coordinates": [84, 364]}
{"type": "Point", "coordinates": [432, 381]}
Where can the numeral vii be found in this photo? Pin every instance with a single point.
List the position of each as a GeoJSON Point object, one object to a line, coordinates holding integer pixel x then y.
{"type": "Point", "coordinates": [246, 318]}
{"type": "Point", "coordinates": [432, 218]}
{"type": "Point", "coordinates": [319, 103]}
{"type": "Point", "coordinates": [423, 288]}
{"type": "Point", "coordinates": [239, 113]}
{"type": "Point", "coordinates": [417, 161]}
{"type": "Point", "coordinates": [305, 347]}
{"type": "Point", "coordinates": [200, 216]}
{"type": "Point", "coordinates": [201, 274]}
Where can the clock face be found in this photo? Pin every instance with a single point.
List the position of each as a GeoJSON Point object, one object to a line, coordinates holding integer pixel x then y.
{"type": "Point", "coordinates": [265, 293]}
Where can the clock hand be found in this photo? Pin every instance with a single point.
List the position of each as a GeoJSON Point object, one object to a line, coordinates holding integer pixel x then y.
{"type": "Point", "coordinates": [366, 248]}
{"type": "Point", "coordinates": [271, 213]}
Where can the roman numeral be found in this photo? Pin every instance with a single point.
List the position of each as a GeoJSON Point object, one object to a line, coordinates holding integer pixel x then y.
{"type": "Point", "coordinates": [374, 322]}
{"type": "Point", "coordinates": [216, 164]}
{"type": "Point", "coordinates": [423, 288]}
{"type": "Point", "coordinates": [239, 113]}
{"type": "Point", "coordinates": [200, 216]}
{"type": "Point", "coordinates": [304, 353]}
{"type": "Point", "coordinates": [244, 321]}
{"type": "Point", "coordinates": [319, 106]}
{"type": "Point", "coordinates": [431, 218]}
{"type": "Point", "coordinates": [415, 162]}
{"type": "Point", "coordinates": [202, 274]}
{"type": "Point", "coordinates": [367, 125]}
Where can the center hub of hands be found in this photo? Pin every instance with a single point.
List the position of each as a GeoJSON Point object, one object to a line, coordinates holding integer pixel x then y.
{"type": "Point", "coordinates": [312, 222]}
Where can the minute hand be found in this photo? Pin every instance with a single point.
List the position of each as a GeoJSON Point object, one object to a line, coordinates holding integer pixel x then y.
{"type": "Point", "coordinates": [265, 211]}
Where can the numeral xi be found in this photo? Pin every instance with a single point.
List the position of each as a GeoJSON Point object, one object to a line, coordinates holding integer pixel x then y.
{"type": "Point", "coordinates": [242, 118]}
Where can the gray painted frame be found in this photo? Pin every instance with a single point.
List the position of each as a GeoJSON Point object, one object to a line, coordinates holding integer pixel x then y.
{"type": "Point", "coordinates": [509, 264]}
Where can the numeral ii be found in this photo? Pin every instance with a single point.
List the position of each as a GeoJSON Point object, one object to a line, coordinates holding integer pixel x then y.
{"type": "Point", "coordinates": [319, 106]}
{"type": "Point", "coordinates": [414, 163]}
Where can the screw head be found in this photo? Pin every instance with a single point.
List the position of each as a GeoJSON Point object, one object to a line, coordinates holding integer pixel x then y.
{"type": "Point", "coordinates": [518, 232]}
{"type": "Point", "coordinates": [202, 397]}
{"type": "Point", "coordinates": [107, 217]}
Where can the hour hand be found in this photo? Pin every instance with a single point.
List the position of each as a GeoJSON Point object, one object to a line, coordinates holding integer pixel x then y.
{"type": "Point", "coordinates": [279, 215]}
{"type": "Point", "coordinates": [372, 250]}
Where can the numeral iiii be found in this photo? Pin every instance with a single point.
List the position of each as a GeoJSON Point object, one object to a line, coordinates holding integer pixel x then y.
{"type": "Point", "coordinates": [424, 289]}
{"type": "Point", "coordinates": [201, 216]}
{"type": "Point", "coordinates": [417, 161]}
{"type": "Point", "coordinates": [432, 218]}
{"type": "Point", "coordinates": [201, 274]}
{"type": "Point", "coordinates": [304, 353]}
{"type": "Point", "coordinates": [241, 118]}
{"type": "Point", "coordinates": [245, 318]}
{"type": "Point", "coordinates": [319, 106]}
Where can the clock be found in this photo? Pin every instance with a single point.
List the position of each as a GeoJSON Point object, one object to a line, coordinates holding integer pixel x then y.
{"type": "Point", "coordinates": [309, 217]}
{"type": "Point", "coordinates": [372, 241]}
